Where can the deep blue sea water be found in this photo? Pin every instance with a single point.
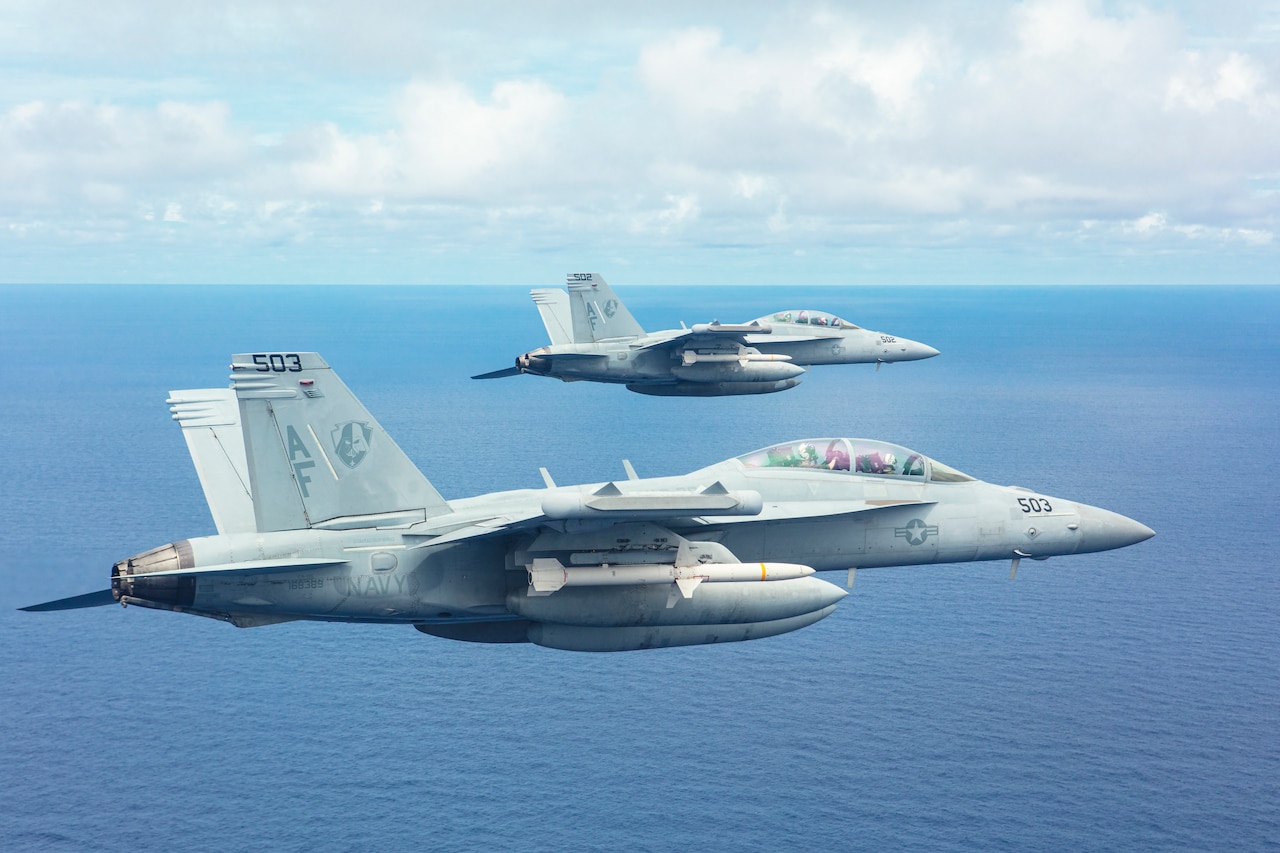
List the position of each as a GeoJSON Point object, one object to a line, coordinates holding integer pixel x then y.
{"type": "Point", "coordinates": [1120, 701]}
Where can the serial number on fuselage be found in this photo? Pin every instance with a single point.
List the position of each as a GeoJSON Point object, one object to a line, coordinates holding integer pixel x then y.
{"type": "Point", "coordinates": [306, 583]}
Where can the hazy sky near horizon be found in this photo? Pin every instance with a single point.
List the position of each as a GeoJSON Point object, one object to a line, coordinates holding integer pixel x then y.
{"type": "Point", "coordinates": [390, 141]}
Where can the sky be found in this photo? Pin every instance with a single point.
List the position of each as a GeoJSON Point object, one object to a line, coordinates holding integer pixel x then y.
{"type": "Point", "coordinates": [419, 142]}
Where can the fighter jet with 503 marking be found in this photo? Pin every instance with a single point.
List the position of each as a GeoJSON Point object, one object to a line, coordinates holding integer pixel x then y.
{"type": "Point", "coordinates": [595, 338]}
{"type": "Point", "coordinates": [321, 516]}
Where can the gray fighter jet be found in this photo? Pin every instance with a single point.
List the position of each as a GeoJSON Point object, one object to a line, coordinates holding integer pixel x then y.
{"type": "Point", "coordinates": [321, 516]}
{"type": "Point", "coordinates": [594, 337]}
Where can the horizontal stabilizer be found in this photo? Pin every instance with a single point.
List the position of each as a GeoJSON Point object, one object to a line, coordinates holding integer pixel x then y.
{"type": "Point", "coordinates": [499, 374]}
{"type": "Point", "coordinates": [90, 599]}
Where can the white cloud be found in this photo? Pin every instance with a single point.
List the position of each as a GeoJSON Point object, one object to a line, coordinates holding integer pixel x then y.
{"type": "Point", "coordinates": [824, 79]}
{"type": "Point", "coordinates": [749, 186]}
{"type": "Point", "coordinates": [1066, 113]}
{"type": "Point", "coordinates": [679, 211]}
{"type": "Point", "coordinates": [1156, 224]}
{"type": "Point", "coordinates": [445, 143]}
{"type": "Point", "coordinates": [72, 152]}
{"type": "Point", "coordinates": [794, 127]}
{"type": "Point", "coordinates": [1149, 224]}
{"type": "Point", "coordinates": [1234, 79]}
{"type": "Point", "coordinates": [1056, 29]}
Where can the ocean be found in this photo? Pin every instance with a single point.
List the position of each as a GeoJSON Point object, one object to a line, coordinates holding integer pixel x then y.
{"type": "Point", "coordinates": [1123, 700]}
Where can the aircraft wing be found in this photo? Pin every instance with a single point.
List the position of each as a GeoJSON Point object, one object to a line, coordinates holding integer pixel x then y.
{"type": "Point", "coordinates": [475, 529]}
{"type": "Point", "coordinates": [608, 505]}
{"type": "Point", "coordinates": [799, 510]}
{"type": "Point", "coordinates": [605, 505]}
{"type": "Point", "coordinates": [709, 335]}
{"type": "Point", "coordinates": [789, 339]}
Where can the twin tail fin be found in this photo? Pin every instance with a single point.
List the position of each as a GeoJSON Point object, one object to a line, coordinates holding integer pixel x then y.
{"type": "Point", "coordinates": [597, 312]}
{"type": "Point", "coordinates": [315, 456]}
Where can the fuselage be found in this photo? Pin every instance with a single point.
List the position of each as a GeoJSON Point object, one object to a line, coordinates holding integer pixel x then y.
{"type": "Point", "coordinates": [776, 360]}
{"type": "Point", "coordinates": [831, 504]}
{"type": "Point", "coordinates": [323, 517]}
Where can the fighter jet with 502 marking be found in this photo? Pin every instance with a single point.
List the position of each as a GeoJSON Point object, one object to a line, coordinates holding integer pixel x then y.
{"type": "Point", "coordinates": [321, 516]}
{"type": "Point", "coordinates": [595, 338]}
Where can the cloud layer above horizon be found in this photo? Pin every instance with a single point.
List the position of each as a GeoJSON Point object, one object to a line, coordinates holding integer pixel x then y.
{"type": "Point", "coordinates": [1045, 141]}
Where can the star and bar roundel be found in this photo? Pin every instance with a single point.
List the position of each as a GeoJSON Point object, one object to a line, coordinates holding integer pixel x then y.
{"type": "Point", "coordinates": [916, 532]}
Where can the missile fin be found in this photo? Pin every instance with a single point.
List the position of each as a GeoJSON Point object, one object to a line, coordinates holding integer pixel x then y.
{"type": "Point", "coordinates": [546, 575]}
{"type": "Point", "coordinates": [687, 586]}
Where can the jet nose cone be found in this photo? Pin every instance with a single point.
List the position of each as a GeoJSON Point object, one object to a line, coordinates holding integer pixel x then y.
{"type": "Point", "coordinates": [1102, 530]}
{"type": "Point", "coordinates": [905, 350]}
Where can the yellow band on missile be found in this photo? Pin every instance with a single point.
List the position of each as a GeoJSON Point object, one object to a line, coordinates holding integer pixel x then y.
{"type": "Point", "coordinates": [763, 571]}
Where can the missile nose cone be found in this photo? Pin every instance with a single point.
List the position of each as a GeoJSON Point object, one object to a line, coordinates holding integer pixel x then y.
{"type": "Point", "coordinates": [1102, 530]}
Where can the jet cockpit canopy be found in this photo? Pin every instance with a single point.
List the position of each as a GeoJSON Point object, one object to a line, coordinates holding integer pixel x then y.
{"type": "Point", "coordinates": [806, 318]}
{"type": "Point", "coordinates": [855, 456]}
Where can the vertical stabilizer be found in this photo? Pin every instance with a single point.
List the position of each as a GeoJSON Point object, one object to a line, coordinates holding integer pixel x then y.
{"type": "Point", "coordinates": [598, 314]}
{"type": "Point", "coordinates": [553, 305]}
{"type": "Point", "coordinates": [210, 421]}
{"type": "Point", "coordinates": [316, 457]}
